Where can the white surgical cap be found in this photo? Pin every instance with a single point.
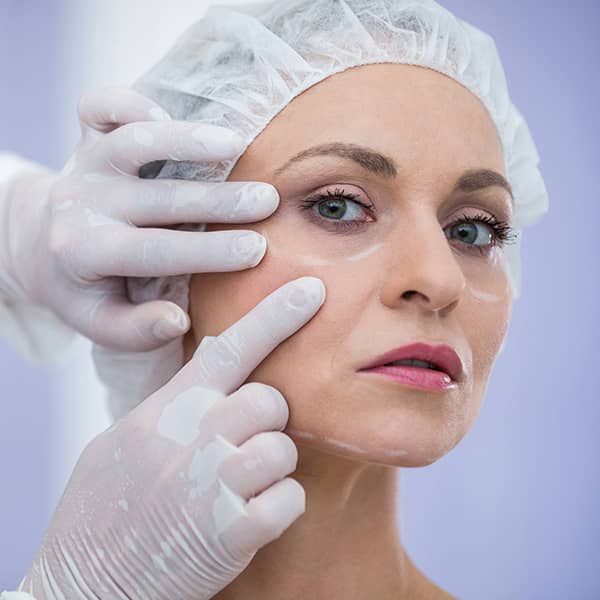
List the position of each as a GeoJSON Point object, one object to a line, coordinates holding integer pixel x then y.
{"type": "Point", "coordinates": [239, 66]}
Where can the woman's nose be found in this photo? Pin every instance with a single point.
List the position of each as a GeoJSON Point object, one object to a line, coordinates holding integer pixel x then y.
{"type": "Point", "coordinates": [423, 270]}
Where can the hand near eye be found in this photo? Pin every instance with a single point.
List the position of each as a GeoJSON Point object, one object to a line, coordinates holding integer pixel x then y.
{"type": "Point", "coordinates": [72, 238]}
{"type": "Point", "coordinates": [175, 499]}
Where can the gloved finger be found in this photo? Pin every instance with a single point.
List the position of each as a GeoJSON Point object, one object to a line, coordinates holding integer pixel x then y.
{"type": "Point", "coordinates": [105, 109]}
{"type": "Point", "coordinates": [253, 408]}
{"type": "Point", "coordinates": [268, 515]}
{"type": "Point", "coordinates": [163, 252]}
{"type": "Point", "coordinates": [224, 362]}
{"type": "Point", "coordinates": [116, 323]}
{"type": "Point", "coordinates": [168, 202]}
{"type": "Point", "coordinates": [263, 460]}
{"type": "Point", "coordinates": [135, 144]}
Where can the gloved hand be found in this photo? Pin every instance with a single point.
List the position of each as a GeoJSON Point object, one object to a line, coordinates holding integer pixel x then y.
{"type": "Point", "coordinates": [174, 499]}
{"type": "Point", "coordinates": [69, 240]}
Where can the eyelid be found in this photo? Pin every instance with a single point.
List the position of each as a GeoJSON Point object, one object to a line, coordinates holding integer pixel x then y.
{"type": "Point", "coordinates": [492, 205]}
{"type": "Point", "coordinates": [316, 199]}
{"type": "Point", "coordinates": [344, 188]}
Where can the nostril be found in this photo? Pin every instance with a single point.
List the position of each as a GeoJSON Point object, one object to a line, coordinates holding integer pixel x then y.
{"type": "Point", "coordinates": [408, 295]}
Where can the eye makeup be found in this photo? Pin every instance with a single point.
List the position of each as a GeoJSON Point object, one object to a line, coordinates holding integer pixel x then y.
{"type": "Point", "coordinates": [339, 203]}
{"type": "Point", "coordinates": [501, 233]}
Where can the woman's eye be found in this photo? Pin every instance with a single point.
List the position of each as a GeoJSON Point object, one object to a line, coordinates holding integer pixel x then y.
{"type": "Point", "coordinates": [476, 234]}
{"type": "Point", "coordinates": [481, 232]}
{"type": "Point", "coordinates": [338, 209]}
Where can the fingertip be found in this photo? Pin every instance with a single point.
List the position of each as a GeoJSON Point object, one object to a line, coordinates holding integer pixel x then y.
{"type": "Point", "coordinates": [307, 291]}
{"type": "Point", "coordinates": [268, 197]}
{"type": "Point", "coordinates": [261, 249]}
{"type": "Point", "coordinates": [247, 249]}
{"type": "Point", "coordinates": [174, 323]}
{"type": "Point", "coordinates": [323, 292]}
{"type": "Point", "coordinates": [301, 495]}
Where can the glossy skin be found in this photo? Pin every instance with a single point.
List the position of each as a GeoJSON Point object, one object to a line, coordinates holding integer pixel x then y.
{"type": "Point", "coordinates": [395, 278]}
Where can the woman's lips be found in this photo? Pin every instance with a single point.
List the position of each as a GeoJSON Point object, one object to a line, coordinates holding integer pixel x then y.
{"type": "Point", "coordinates": [419, 377]}
{"type": "Point", "coordinates": [449, 369]}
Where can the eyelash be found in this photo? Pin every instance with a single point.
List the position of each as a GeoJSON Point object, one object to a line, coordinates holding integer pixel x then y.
{"type": "Point", "coordinates": [503, 233]}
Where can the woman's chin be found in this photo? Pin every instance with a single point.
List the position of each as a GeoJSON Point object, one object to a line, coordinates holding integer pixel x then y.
{"type": "Point", "coordinates": [422, 447]}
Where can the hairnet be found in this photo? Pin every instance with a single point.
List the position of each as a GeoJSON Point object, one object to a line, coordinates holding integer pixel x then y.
{"type": "Point", "coordinates": [239, 66]}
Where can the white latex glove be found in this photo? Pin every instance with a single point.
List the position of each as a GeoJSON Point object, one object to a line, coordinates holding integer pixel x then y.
{"type": "Point", "coordinates": [69, 240]}
{"type": "Point", "coordinates": [174, 500]}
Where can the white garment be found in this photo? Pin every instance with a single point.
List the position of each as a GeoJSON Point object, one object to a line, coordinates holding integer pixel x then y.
{"type": "Point", "coordinates": [33, 331]}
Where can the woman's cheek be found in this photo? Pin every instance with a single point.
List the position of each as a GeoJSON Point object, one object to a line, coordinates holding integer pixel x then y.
{"type": "Point", "coordinates": [218, 300]}
{"type": "Point", "coordinates": [494, 322]}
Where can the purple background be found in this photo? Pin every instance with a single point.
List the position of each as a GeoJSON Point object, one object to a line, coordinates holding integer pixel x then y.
{"type": "Point", "coordinates": [30, 76]}
{"type": "Point", "coordinates": [512, 511]}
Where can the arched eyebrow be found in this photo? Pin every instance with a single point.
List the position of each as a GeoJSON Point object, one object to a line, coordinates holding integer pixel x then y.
{"type": "Point", "coordinates": [477, 179]}
{"type": "Point", "coordinates": [383, 166]}
{"type": "Point", "coordinates": [367, 158]}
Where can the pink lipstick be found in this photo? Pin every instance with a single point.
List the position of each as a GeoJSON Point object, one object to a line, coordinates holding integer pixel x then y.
{"type": "Point", "coordinates": [420, 365]}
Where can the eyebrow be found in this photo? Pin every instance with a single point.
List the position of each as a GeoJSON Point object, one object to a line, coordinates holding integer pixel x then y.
{"type": "Point", "coordinates": [384, 166]}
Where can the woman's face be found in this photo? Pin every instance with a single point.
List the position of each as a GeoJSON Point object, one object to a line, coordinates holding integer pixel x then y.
{"type": "Point", "coordinates": [389, 241]}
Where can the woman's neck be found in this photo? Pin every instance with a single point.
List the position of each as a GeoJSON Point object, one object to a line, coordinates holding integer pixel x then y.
{"type": "Point", "coordinates": [345, 546]}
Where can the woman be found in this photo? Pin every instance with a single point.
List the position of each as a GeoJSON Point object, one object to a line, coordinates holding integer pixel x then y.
{"type": "Point", "coordinates": [403, 189]}
{"type": "Point", "coordinates": [384, 230]}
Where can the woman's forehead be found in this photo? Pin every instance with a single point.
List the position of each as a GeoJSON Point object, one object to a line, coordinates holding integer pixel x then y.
{"type": "Point", "coordinates": [407, 112]}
